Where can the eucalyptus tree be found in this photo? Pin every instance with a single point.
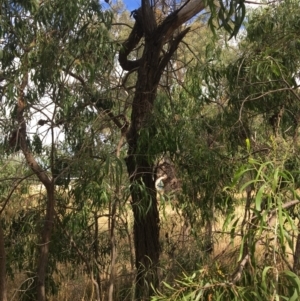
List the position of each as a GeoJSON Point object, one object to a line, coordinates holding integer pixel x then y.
{"type": "Point", "coordinates": [160, 42]}
{"type": "Point", "coordinates": [250, 131]}
{"type": "Point", "coordinates": [56, 58]}
{"type": "Point", "coordinates": [263, 83]}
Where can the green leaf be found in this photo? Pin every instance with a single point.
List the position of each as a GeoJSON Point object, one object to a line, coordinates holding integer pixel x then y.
{"type": "Point", "coordinates": [248, 144]}
{"type": "Point", "coordinates": [168, 286]}
{"type": "Point", "coordinates": [264, 275]}
{"type": "Point", "coordinates": [239, 174]}
{"type": "Point", "coordinates": [295, 296]}
{"type": "Point", "coordinates": [258, 197]}
{"type": "Point", "coordinates": [295, 279]}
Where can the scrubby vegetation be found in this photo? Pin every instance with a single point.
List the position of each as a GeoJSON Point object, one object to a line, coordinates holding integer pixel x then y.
{"type": "Point", "coordinates": [151, 156]}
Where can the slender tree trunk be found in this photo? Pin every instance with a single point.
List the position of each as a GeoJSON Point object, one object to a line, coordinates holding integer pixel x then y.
{"type": "Point", "coordinates": [296, 266]}
{"type": "Point", "coordinates": [113, 252]}
{"type": "Point", "coordinates": [45, 244]}
{"type": "Point", "coordinates": [46, 181]}
{"type": "Point", "coordinates": [3, 296]}
{"type": "Point", "coordinates": [96, 254]}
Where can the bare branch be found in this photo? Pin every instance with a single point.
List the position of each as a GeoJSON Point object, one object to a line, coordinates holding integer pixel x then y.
{"type": "Point", "coordinates": [174, 45]}
{"type": "Point", "coordinates": [15, 186]}
{"type": "Point", "coordinates": [237, 274]}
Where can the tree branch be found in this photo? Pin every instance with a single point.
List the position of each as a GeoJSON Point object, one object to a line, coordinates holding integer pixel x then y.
{"type": "Point", "coordinates": [32, 163]}
{"type": "Point", "coordinates": [132, 41]}
{"type": "Point", "coordinates": [237, 274]}
{"type": "Point", "coordinates": [146, 24]}
{"type": "Point", "coordinates": [180, 16]}
{"type": "Point", "coordinates": [174, 44]}
{"type": "Point", "coordinates": [149, 23]}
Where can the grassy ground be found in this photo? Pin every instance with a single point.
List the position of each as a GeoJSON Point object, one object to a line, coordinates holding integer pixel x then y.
{"type": "Point", "coordinates": [182, 252]}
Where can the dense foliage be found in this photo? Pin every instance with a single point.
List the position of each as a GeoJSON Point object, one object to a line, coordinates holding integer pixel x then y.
{"type": "Point", "coordinates": [217, 150]}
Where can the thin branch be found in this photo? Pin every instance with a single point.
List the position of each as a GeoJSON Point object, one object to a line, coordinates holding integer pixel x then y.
{"type": "Point", "coordinates": [122, 24]}
{"type": "Point", "coordinates": [132, 41]}
{"type": "Point", "coordinates": [259, 3]}
{"type": "Point", "coordinates": [166, 58]}
{"type": "Point", "coordinates": [284, 206]}
{"type": "Point", "coordinates": [237, 274]}
{"type": "Point", "coordinates": [12, 191]}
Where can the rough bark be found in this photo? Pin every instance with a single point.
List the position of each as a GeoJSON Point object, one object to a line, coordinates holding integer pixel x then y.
{"type": "Point", "coordinates": [149, 71]}
{"type": "Point", "coordinates": [49, 185]}
{"type": "Point", "coordinates": [3, 295]}
{"type": "Point", "coordinates": [146, 227]}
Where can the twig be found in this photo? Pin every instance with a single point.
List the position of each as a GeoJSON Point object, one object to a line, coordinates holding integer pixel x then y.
{"type": "Point", "coordinates": [237, 274]}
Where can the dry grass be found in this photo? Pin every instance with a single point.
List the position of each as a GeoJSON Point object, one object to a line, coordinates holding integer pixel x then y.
{"type": "Point", "coordinates": [182, 250]}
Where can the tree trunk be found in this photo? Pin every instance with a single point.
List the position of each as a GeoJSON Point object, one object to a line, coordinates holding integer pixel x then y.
{"type": "Point", "coordinates": [97, 281]}
{"type": "Point", "coordinates": [140, 168]}
{"type": "Point", "coordinates": [146, 229]}
{"type": "Point", "coordinates": [45, 244]}
{"type": "Point", "coordinates": [113, 249]}
{"type": "Point", "coordinates": [296, 266]}
{"type": "Point", "coordinates": [46, 181]}
{"type": "Point", "coordinates": [3, 296]}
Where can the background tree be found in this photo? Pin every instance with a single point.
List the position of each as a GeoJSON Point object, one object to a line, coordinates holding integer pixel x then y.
{"type": "Point", "coordinates": [252, 139]}
{"type": "Point", "coordinates": [50, 60]}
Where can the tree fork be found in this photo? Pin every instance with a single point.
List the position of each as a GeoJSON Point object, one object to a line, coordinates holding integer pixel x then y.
{"type": "Point", "coordinates": [149, 71]}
